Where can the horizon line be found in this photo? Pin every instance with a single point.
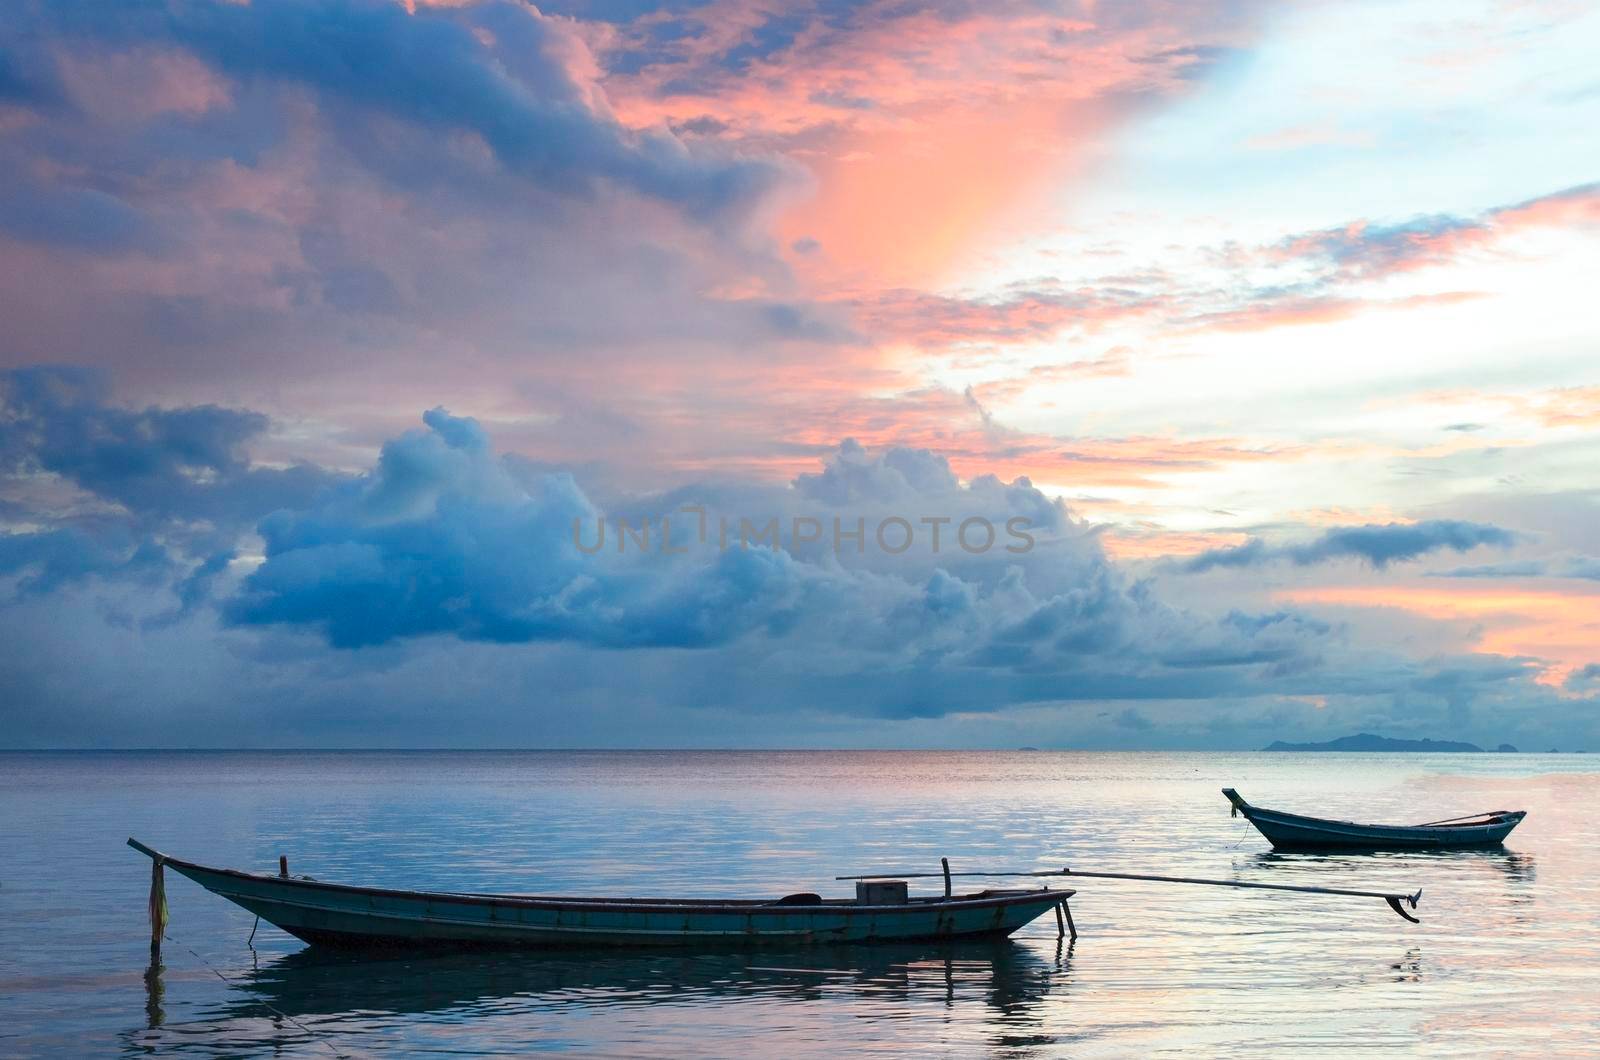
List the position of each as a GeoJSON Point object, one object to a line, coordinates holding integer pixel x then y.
{"type": "Point", "coordinates": [720, 750]}
{"type": "Point", "coordinates": [600, 750]}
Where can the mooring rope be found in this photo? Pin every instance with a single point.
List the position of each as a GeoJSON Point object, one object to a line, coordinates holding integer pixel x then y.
{"type": "Point", "coordinates": [1244, 833]}
{"type": "Point", "coordinates": [309, 1033]}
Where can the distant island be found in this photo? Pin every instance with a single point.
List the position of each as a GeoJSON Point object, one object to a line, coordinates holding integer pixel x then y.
{"type": "Point", "coordinates": [1367, 742]}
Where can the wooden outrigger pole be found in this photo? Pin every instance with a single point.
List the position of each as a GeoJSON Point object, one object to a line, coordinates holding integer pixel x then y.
{"type": "Point", "coordinates": [1392, 899]}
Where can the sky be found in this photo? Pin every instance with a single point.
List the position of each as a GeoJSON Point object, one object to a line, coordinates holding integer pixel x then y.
{"type": "Point", "coordinates": [478, 374]}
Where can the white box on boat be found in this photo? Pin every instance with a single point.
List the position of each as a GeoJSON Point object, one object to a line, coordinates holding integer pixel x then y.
{"type": "Point", "coordinates": [881, 892]}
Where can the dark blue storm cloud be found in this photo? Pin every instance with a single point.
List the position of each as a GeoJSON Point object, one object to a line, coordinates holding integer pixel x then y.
{"type": "Point", "coordinates": [163, 495]}
{"type": "Point", "coordinates": [1377, 544]}
{"type": "Point", "coordinates": [27, 76]}
{"type": "Point", "coordinates": [502, 72]}
{"type": "Point", "coordinates": [187, 464]}
{"type": "Point", "coordinates": [46, 560]}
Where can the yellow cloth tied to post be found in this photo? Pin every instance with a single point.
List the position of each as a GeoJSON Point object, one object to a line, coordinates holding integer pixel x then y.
{"type": "Point", "coordinates": [158, 901]}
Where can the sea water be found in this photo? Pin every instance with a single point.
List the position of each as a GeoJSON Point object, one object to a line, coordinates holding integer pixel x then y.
{"type": "Point", "coordinates": [1506, 959]}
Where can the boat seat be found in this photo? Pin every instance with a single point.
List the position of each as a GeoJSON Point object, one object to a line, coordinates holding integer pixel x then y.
{"type": "Point", "coordinates": [803, 898]}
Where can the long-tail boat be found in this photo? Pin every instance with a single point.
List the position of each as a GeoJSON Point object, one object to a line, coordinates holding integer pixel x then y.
{"type": "Point", "coordinates": [336, 914]}
{"type": "Point", "coordinates": [1291, 831]}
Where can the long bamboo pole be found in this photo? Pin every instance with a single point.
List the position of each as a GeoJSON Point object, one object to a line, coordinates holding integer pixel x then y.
{"type": "Point", "coordinates": [1393, 899]}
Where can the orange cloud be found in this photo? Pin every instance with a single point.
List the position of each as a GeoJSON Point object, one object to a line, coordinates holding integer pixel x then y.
{"type": "Point", "coordinates": [932, 320]}
{"type": "Point", "coordinates": [1560, 627]}
{"type": "Point", "coordinates": [1147, 541]}
{"type": "Point", "coordinates": [1115, 363]}
{"type": "Point", "coordinates": [1575, 206]}
{"type": "Point", "coordinates": [774, 420]}
{"type": "Point", "coordinates": [958, 427]}
{"type": "Point", "coordinates": [1324, 310]}
{"type": "Point", "coordinates": [1568, 407]}
{"type": "Point", "coordinates": [1577, 406]}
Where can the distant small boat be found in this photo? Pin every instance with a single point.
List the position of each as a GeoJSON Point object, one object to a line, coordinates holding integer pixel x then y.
{"type": "Point", "coordinates": [1291, 831]}
{"type": "Point", "coordinates": [335, 914]}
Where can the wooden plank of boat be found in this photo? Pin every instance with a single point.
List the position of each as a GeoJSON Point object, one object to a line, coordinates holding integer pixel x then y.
{"type": "Point", "coordinates": [352, 916]}
{"type": "Point", "coordinates": [1290, 831]}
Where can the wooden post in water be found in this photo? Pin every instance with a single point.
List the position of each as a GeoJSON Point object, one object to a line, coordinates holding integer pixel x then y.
{"type": "Point", "coordinates": [283, 865]}
{"type": "Point", "coordinates": [946, 863]}
{"type": "Point", "coordinates": [157, 907]}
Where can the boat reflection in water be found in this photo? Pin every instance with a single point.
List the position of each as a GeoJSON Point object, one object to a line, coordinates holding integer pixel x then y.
{"type": "Point", "coordinates": [1517, 866]}
{"type": "Point", "coordinates": [358, 1003]}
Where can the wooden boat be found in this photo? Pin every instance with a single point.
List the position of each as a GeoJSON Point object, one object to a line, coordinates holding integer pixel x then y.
{"type": "Point", "coordinates": [335, 914]}
{"type": "Point", "coordinates": [1290, 831]}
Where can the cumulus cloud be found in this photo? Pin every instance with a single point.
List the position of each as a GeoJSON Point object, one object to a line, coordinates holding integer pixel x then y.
{"type": "Point", "coordinates": [444, 538]}
{"type": "Point", "coordinates": [1377, 544]}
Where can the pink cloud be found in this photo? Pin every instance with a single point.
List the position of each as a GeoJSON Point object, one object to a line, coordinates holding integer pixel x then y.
{"type": "Point", "coordinates": [924, 129]}
{"type": "Point", "coordinates": [1368, 250]}
{"type": "Point", "coordinates": [1288, 312]}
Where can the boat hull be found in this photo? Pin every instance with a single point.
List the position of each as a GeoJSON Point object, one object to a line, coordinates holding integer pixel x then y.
{"type": "Point", "coordinates": [362, 917]}
{"type": "Point", "coordinates": [1288, 831]}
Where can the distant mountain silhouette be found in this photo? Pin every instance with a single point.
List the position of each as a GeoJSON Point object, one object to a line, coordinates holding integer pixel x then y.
{"type": "Point", "coordinates": [1367, 742]}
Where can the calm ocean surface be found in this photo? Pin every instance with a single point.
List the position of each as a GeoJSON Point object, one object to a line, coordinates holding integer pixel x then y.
{"type": "Point", "coordinates": [1507, 959]}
